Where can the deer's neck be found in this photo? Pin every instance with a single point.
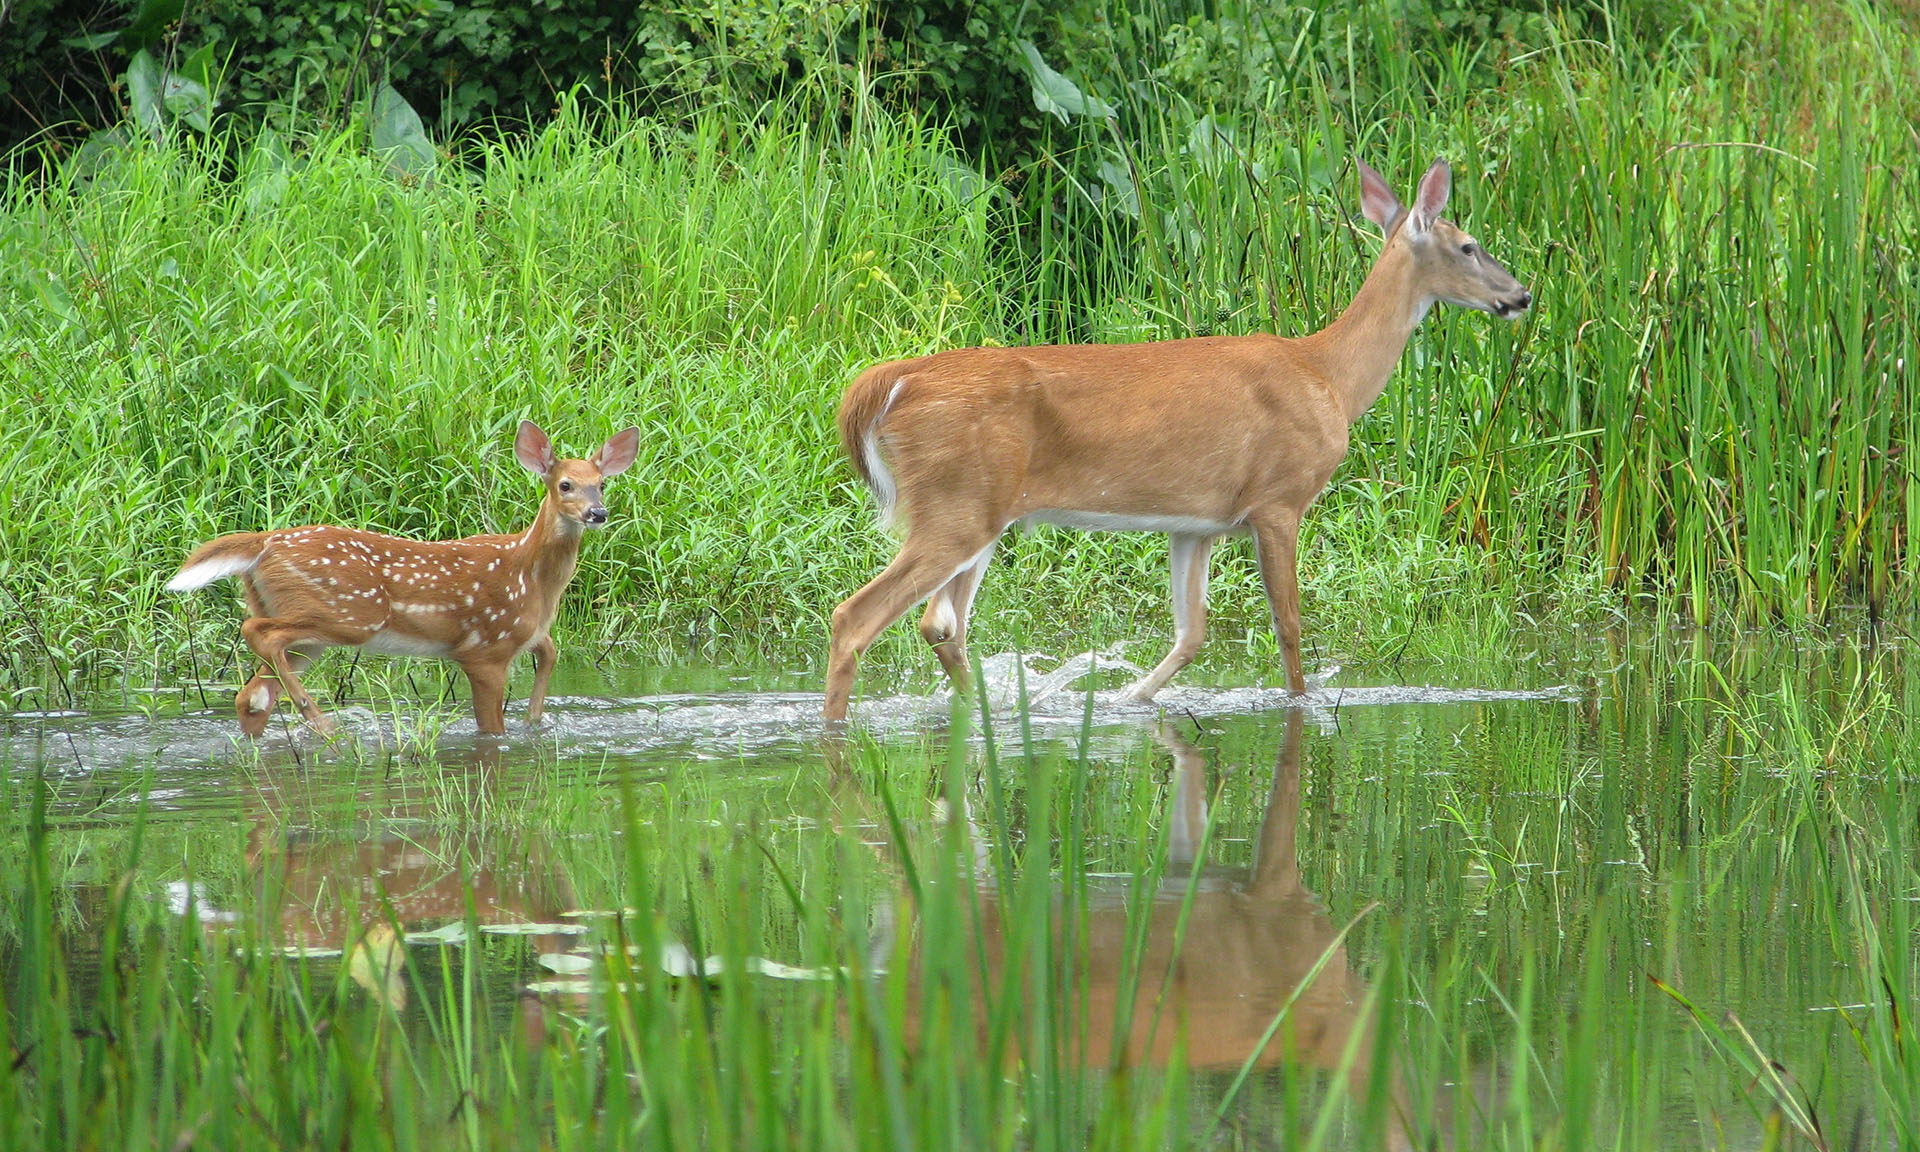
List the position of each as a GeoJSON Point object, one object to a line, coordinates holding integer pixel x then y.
{"type": "Point", "coordinates": [548, 552]}
{"type": "Point", "coordinates": [1356, 353]}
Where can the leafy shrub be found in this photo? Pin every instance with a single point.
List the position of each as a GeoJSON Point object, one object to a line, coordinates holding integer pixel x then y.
{"type": "Point", "coordinates": [493, 63]}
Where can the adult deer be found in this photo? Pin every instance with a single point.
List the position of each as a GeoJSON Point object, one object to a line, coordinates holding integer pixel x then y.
{"type": "Point", "coordinates": [1195, 438]}
{"type": "Point", "coordinates": [478, 601]}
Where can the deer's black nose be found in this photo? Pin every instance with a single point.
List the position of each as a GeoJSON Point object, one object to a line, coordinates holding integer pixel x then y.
{"type": "Point", "coordinates": [595, 515]}
{"type": "Point", "coordinates": [1513, 305]}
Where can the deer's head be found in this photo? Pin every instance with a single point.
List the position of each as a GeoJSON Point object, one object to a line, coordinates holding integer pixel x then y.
{"type": "Point", "coordinates": [1449, 264]}
{"type": "Point", "coordinates": [574, 485]}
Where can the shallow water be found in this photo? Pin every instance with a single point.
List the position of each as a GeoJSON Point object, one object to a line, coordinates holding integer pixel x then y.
{"type": "Point", "coordinates": [1505, 869]}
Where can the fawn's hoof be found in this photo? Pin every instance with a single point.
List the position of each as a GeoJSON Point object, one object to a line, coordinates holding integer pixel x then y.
{"type": "Point", "coordinates": [254, 706]}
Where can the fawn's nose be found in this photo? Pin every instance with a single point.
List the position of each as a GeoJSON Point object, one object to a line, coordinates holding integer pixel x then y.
{"type": "Point", "coordinates": [595, 515]}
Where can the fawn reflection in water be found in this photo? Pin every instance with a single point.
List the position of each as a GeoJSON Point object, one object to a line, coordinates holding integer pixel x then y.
{"type": "Point", "coordinates": [1202, 981]}
{"type": "Point", "coordinates": [403, 865]}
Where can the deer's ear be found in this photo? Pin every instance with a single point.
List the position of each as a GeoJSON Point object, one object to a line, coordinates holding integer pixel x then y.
{"type": "Point", "coordinates": [1431, 200]}
{"type": "Point", "coordinates": [1376, 199]}
{"type": "Point", "coordinates": [533, 450]}
{"type": "Point", "coordinates": [616, 455]}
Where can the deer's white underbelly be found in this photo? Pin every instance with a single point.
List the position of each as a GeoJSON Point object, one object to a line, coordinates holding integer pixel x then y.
{"type": "Point", "coordinates": [1131, 522]}
{"type": "Point", "coordinates": [393, 643]}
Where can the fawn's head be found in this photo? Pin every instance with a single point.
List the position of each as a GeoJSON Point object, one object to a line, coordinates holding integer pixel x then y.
{"type": "Point", "coordinates": [574, 485]}
{"type": "Point", "coordinates": [1448, 264]}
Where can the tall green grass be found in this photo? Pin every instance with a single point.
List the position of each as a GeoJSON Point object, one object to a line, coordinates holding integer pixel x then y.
{"type": "Point", "coordinates": [1711, 400]}
{"type": "Point", "coordinates": [1709, 407]}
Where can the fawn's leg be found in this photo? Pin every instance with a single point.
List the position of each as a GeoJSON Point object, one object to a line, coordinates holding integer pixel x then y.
{"type": "Point", "coordinates": [545, 652]}
{"type": "Point", "coordinates": [489, 680]}
{"type": "Point", "coordinates": [279, 643]}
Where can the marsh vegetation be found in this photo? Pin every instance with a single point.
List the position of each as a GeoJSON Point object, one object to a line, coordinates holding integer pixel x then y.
{"type": "Point", "coordinates": [1655, 890]}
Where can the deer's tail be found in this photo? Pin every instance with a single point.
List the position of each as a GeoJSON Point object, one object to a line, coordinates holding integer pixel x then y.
{"type": "Point", "coordinates": [219, 558]}
{"type": "Point", "coordinates": [862, 410]}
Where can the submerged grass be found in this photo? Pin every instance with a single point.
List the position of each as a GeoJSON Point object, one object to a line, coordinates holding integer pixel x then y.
{"type": "Point", "coordinates": [1676, 915]}
{"type": "Point", "coordinates": [1710, 406]}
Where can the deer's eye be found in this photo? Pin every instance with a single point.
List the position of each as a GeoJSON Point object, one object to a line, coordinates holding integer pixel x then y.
{"type": "Point", "coordinates": [566, 485]}
{"type": "Point", "coordinates": [1469, 248]}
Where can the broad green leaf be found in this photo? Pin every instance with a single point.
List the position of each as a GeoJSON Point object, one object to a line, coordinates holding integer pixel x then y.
{"type": "Point", "coordinates": [1119, 181]}
{"type": "Point", "coordinates": [1210, 142]}
{"type": "Point", "coordinates": [53, 294]}
{"type": "Point", "coordinates": [90, 43]}
{"type": "Point", "coordinates": [267, 172]}
{"type": "Point", "coordinates": [1054, 93]}
{"type": "Point", "coordinates": [99, 150]}
{"type": "Point", "coordinates": [144, 86]}
{"type": "Point", "coordinates": [961, 179]}
{"type": "Point", "coordinates": [398, 135]}
{"type": "Point", "coordinates": [450, 933]}
{"type": "Point", "coordinates": [189, 100]}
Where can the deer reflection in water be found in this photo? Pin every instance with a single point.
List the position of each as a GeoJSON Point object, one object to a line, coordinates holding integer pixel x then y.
{"type": "Point", "coordinates": [1204, 979]}
{"type": "Point", "coordinates": [405, 867]}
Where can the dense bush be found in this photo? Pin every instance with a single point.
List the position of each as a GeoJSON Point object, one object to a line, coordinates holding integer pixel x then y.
{"type": "Point", "coordinates": [505, 64]}
{"type": "Point", "coordinates": [492, 64]}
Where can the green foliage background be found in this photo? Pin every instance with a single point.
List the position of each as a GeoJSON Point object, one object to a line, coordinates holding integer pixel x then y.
{"type": "Point", "coordinates": [228, 314]}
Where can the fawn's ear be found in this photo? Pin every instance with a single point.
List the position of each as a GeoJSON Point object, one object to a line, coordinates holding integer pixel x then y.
{"type": "Point", "coordinates": [1432, 197]}
{"type": "Point", "coordinates": [533, 450]}
{"type": "Point", "coordinates": [616, 455]}
{"type": "Point", "coordinates": [1376, 199]}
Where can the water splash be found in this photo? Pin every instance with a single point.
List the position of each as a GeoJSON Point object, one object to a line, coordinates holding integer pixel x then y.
{"type": "Point", "coordinates": [1058, 695]}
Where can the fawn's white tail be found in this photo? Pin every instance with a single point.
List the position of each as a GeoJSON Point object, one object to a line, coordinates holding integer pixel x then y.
{"type": "Point", "coordinates": [218, 559]}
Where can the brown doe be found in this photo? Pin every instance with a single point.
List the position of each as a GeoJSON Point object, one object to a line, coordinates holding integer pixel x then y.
{"type": "Point", "coordinates": [1196, 438]}
{"type": "Point", "coordinates": [478, 601]}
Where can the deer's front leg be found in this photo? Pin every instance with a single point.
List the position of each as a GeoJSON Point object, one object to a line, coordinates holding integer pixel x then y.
{"type": "Point", "coordinates": [489, 681]}
{"type": "Point", "coordinates": [1277, 537]}
{"type": "Point", "coordinates": [545, 653]}
{"type": "Point", "coordinates": [256, 698]}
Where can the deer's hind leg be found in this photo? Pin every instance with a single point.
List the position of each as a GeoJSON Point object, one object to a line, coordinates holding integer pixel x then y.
{"type": "Point", "coordinates": [277, 641]}
{"type": "Point", "coordinates": [924, 565]}
{"type": "Point", "coordinates": [944, 625]}
{"type": "Point", "coordinates": [256, 698]}
{"type": "Point", "coordinates": [1187, 558]}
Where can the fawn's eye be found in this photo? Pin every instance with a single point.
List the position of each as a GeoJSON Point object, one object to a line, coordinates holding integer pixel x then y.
{"type": "Point", "coordinates": [566, 485]}
{"type": "Point", "coordinates": [1467, 249]}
